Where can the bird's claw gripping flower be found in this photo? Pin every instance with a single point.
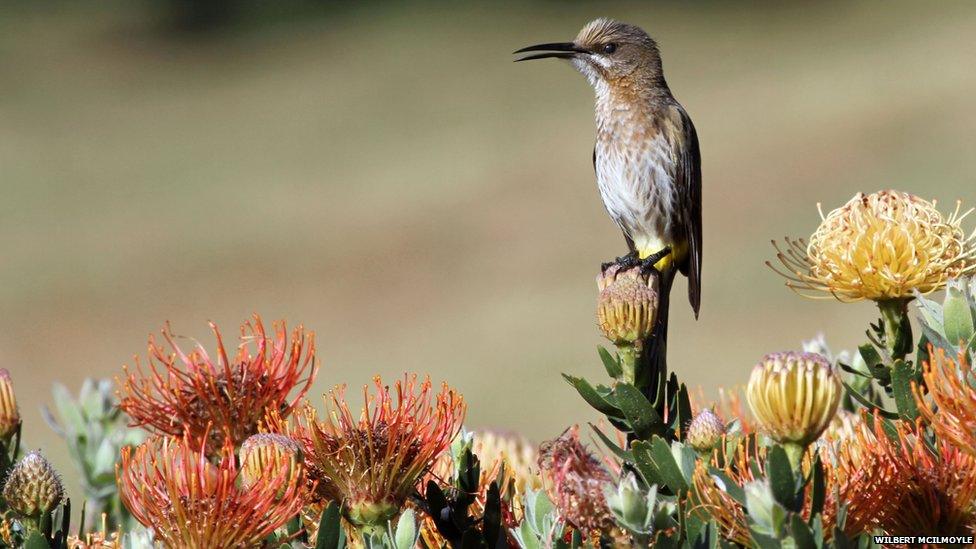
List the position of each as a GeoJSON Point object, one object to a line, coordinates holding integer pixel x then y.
{"type": "Point", "coordinates": [882, 246]}
{"type": "Point", "coordinates": [627, 306]}
{"type": "Point", "coordinates": [198, 394]}
{"type": "Point", "coordinates": [9, 413]}
{"type": "Point", "coordinates": [705, 431]}
{"type": "Point", "coordinates": [33, 487]}
{"type": "Point", "coordinates": [794, 396]}
{"type": "Point", "coordinates": [372, 465]}
{"type": "Point", "coordinates": [170, 485]}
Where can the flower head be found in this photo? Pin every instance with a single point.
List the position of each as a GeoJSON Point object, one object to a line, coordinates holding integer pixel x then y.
{"type": "Point", "coordinates": [576, 482]}
{"type": "Point", "coordinates": [881, 246]}
{"type": "Point", "coordinates": [372, 464]}
{"type": "Point", "coordinates": [794, 396]}
{"type": "Point", "coordinates": [33, 487]}
{"type": "Point", "coordinates": [197, 394]}
{"type": "Point", "coordinates": [951, 385]}
{"type": "Point", "coordinates": [268, 451]}
{"type": "Point", "coordinates": [705, 431]}
{"type": "Point", "coordinates": [9, 413]}
{"type": "Point", "coordinates": [627, 306]}
{"type": "Point", "coordinates": [169, 485]}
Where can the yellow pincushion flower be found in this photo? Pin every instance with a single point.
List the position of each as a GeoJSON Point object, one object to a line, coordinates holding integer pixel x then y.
{"type": "Point", "coordinates": [627, 306]}
{"type": "Point", "coordinates": [881, 246]}
{"type": "Point", "coordinates": [794, 396]}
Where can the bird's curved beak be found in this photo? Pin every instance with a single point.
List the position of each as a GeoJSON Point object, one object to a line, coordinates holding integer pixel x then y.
{"type": "Point", "coordinates": [559, 50]}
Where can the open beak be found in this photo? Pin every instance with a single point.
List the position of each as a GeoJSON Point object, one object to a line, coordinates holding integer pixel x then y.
{"type": "Point", "coordinates": [559, 50]}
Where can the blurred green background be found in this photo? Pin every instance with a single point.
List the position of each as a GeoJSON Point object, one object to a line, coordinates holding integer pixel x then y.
{"type": "Point", "coordinates": [384, 174]}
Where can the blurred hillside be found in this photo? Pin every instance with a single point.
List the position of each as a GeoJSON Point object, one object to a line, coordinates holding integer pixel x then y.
{"type": "Point", "coordinates": [386, 175]}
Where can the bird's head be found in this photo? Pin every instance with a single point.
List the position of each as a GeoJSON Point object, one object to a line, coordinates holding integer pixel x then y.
{"type": "Point", "coordinates": [606, 51]}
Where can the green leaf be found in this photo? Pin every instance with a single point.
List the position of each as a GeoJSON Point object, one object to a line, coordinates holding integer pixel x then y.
{"type": "Point", "coordinates": [657, 456]}
{"type": "Point", "coordinates": [638, 411]}
{"type": "Point", "coordinates": [819, 491]}
{"type": "Point", "coordinates": [592, 397]}
{"type": "Point", "coordinates": [902, 376]}
{"type": "Point", "coordinates": [406, 530]}
{"type": "Point", "coordinates": [856, 395]}
{"type": "Point", "coordinates": [957, 317]}
{"type": "Point", "coordinates": [684, 409]}
{"type": "Point", "coordinates": [782, 480]}
{"type": "Point", "coordinates": [685, 457]}
{"type": "Point", "coordinates": [870, 355]}
{"type": "Point", "coordinates": [35, 540]}
{"type": "Point", "coordinates": [611, 445]}
{"type": "Point", "coordinates": [611, 363]}
{"type": "Point", "coordinates": [728, 485]}
{"type": "Point", "coordinates": [802, 533]}
{"type": "Point", "coordinates": [331, 535]}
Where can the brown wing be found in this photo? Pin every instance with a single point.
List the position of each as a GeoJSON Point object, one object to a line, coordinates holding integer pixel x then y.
{"type": "Point", "coordinates": [690, 193]}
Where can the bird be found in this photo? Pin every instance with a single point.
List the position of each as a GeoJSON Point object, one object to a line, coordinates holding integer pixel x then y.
{"type": "Point", "coordinates": [646, 156]}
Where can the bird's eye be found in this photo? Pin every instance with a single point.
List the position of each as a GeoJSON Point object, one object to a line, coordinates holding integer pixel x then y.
{"type": "Point", "coordinates": [609, 48]}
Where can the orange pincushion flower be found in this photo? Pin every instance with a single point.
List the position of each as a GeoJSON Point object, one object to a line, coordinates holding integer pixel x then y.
{"type": "Point", "coordinates": [951, 385]}
{"type": "Point", "coordinates": [373, 464]}
{"type": "Point", "coordinates": [195, 393]}
{"type": "Point", "coordinates": [169, 485]}
{"type": "Point", "coordinates": [936, 488]}
{"type": "Point", "coordinates": [864, 482]}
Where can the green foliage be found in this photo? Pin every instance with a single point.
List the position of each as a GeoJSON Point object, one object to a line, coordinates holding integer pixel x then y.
{"type": "Point", "coordinates": [95, 431]}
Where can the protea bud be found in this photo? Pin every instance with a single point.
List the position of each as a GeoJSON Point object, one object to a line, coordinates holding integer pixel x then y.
{"type": "Point", "coordinates": [267, 454]}
{"type": "Point", "coordinates": [9, 414]}
{"type": "Point", "coordinates": [794, 396]}
{"type": "Point", "coordinates": [705, 431]}
{"type": "Point", "coordinates": [627, 305]}
{"type": "Point", "coordinates": [33, 487]}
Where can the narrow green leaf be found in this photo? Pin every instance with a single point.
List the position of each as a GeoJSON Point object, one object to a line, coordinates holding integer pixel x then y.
{"type": "Point", "coordinates": [638, 411]}
{"type": "Point", "coordinates": [592, 397]}
{"type": "Point", "coordinates": [902, 376]}
{"type": "Point", "coordinates": [819, 490]}
{"type": "Point", "coordinates": [957, 317]}
{"type": "Point", "coordinates": [802, 533]}
{"type": "Point", "coordinates": [857, 396]}
{"type": "Point", "coordinates": [611, 363]}
{"type": "Point", "coordinates": [659, 453]}
{"type": "Point", "coordinates": [611, 445]}
{"type": "Point", "coordinates": [35, 540]}
{"type": "Point", "coordinates": [330, 529]}
{"type": "Point", "coordinates": [728, 485]}
{"type": "Point", "coordinates": [782, 479]}
{"type": "Point", "coordinates": [870, 355]}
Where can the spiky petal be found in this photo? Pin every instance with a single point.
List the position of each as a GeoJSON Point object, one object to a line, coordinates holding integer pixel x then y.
{"type": "Point", "coordinates": [576, 481]}
{"type": "Point", "coordinates": [196, 394]}
{"type": "Point", "coordinates": [170, 485]}
{"type": "Point", "coordinates": [794, 396]}
{"type": "Point", "coordinates": [881, 246]}
{"type": "Point", "coordinates": [951, 388]}
{"type": "Point", "coordinates": [9, 413]}
{"type": "Point", "coordinates": [373, 464]}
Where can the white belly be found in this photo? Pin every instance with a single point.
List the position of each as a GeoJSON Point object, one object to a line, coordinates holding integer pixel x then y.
{"type": "Point", "coordinates": [636, 182]}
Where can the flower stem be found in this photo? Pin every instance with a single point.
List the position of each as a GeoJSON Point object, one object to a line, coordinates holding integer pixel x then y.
{"type": "Point", "coordinates": [628, 363]}
{"type": "Point", "coordinates": [897, 327]}
{"type": "Point", "coordinates": [794, 452]}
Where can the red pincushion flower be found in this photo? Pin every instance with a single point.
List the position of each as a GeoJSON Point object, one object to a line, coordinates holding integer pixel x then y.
{"type": "Point", "coordinates": [196, 394]}
{"type": "Point", "coordinates": [169, 485]}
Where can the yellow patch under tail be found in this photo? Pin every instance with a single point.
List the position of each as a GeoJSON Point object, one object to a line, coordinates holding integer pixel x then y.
{"type": "Point", "coordinates": [678, 252]}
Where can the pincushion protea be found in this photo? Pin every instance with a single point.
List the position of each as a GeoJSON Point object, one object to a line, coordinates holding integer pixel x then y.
{"type": "Point", "coordinates": [881, 246]}
{"type": "Point", "coordinates": [170, 485]}
{"type": "Point", "coordinates": [576, 481]}
{"type": "Point", "coordinates": [951, 385]}
{"type": "Point", "coordinates": [863, 481]}
{"type": "Point", "coordinates": [194, 393]}
{"type": "Point", "coordinates": [373, 464]}
{"type": "Point", "coordinates": [794, 396]}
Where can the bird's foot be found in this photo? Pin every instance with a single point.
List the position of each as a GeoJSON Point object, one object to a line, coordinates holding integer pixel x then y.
{"type": "Point", "coordinates": [648, 264]}
{"type": "Point", "coordinates": [624, 262]}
